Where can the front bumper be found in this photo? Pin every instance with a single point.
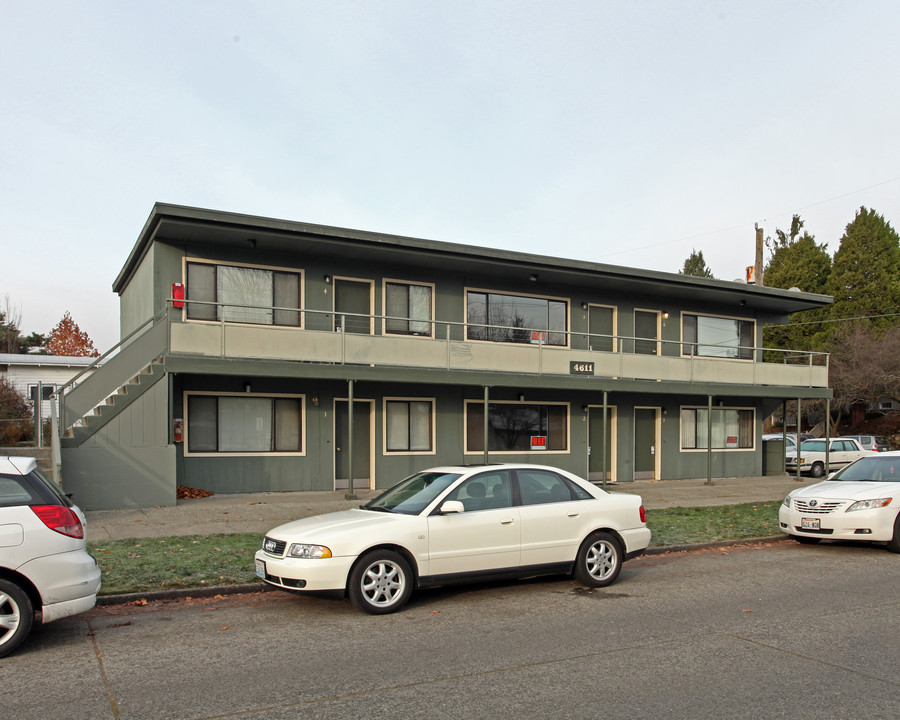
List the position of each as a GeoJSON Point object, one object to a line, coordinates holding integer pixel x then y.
{"type": "Point", "coordinates": [328, 574]}
{"type": "Point", "coordinates": [868, 525]}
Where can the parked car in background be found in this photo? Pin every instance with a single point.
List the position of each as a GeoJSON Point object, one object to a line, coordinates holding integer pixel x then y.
{"type": "Point", "coordinates": [878, 443]}
{"type": "Point", "coordinates": [842, 451]}
{"type": "Point", "coordinates": [790, 440]}
{"type": "Point", "coordinates": [861, 502]}
{"type": "Point", "coordinates": [458, 524]}
{"type": "Point", "coordinates": [44, 563]}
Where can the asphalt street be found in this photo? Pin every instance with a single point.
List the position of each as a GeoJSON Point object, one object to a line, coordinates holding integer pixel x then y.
{"type": "Point", "coordinates": [772, 630]}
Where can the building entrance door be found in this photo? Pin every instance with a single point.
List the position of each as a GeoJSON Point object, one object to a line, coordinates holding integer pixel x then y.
{"type": "Point", "coordinates": [646, 444]}
{"type": "Point", "coordinates": [598, 470]}
{"type": "Point", "coordinates": [362, 444]}
{"type": "Point", "coordinates": [353, 306]}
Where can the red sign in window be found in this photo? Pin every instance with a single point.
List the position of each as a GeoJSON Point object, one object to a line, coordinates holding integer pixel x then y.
{"type": "Point", "coordinates": [538, 442]}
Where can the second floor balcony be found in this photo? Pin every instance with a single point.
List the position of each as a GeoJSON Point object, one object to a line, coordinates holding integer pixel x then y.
{"type": "Point", "coordinates": [316, 336]}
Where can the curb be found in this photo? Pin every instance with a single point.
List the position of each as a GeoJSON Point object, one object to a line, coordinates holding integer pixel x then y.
{"type": "Point", "coordinates": [212, 591]}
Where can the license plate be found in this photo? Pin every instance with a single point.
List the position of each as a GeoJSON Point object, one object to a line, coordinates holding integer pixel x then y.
{"type": "Point", "coordinates": [261, 568]}
{"type": "Point", "coordinates": [805, 524]}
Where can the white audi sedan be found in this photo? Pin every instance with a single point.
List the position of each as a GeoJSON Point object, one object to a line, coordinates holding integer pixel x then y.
{"type": "Point", "coordinates": [458, 524]}
{"type": "Point", "coordinates": [861, 502]}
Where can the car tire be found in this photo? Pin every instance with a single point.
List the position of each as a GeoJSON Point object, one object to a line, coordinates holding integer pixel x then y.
{"type": "Point", "coordinates": [818, 470]}
{"type": "Point", "coordinates": [380, 582]}
{"type": "Point", "coordinates": [16, 616]}
{"type": "Point", "coordinates": [599, 560]}
{"type": "Point", "coordinates": [803, 540]}
{"type": "Point", "coordinates": [894, 543]}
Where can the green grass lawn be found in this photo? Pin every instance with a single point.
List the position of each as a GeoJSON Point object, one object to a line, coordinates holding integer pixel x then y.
{"type": "Point", "coordinates": [196, 561]}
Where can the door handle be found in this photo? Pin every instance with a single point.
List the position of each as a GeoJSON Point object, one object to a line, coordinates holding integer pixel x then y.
{"type": "Point", "coordinates": [508, 521]}
{"type": "Point", "coordinates": [574, 514]}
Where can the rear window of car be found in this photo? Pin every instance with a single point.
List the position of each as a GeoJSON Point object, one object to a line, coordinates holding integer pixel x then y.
{"type": "Point", "coordinates": [813, 446]}
{"type": "Point", "coordinates": [49, 486]}
{"type": "Point", "coordinates": [13, 491]}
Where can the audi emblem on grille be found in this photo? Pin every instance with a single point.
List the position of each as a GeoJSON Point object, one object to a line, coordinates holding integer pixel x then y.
{"type": "Point", "coordinates": [269, 545]}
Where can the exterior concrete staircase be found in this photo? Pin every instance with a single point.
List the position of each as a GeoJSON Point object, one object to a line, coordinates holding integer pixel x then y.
{"type": "Point", "coordinates": [114, 404]}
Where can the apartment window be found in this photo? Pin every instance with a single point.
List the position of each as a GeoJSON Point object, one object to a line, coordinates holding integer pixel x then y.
{"type": "Point", "coordinates": [409, 426]}
{"type": "Point", "coordinates": [408, 308]}
{"type": "Point", "coordinates": [517, 427]}
{"type": "Point", "coordinates": [244, 424]}
{"type": "Point", "coordinates": [732, 429]}
{"type": "Point", "coordinates": [243, 294]}
{"type": "Point", "coordinates": [516, 318]}
{"type": "Point", "coordinates": [718, 337]}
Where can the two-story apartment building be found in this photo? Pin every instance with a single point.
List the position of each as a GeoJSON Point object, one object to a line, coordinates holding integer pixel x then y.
{"type": "Point", "coordinates": [249, 343]}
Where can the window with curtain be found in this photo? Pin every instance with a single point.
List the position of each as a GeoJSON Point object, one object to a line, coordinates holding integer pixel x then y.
{"type": "Point", "coordinates": [516, 318]}
{"type": "Point", "coordinates": [243, 424]}
{"type": "Point", "coordinates": [718, 337]}
{"type": "Point", "coordinates": [731, 429]}
{"type": "Point", "coordinates": [408, 309]}
{"type": "Point", "coordinates": [242, 295]}
{"type": "Point", "coordinates": [511, 426]}
{"type": "Point", "coordinates": [408, 425]}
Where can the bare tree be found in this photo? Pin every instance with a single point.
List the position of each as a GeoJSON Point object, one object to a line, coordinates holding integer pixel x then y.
{"type": "Point", "coordinates": [864, 366]}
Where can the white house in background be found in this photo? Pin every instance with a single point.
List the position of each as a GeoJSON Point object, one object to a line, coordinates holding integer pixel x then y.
{"type": "Point", "coordinates": [25, 372]}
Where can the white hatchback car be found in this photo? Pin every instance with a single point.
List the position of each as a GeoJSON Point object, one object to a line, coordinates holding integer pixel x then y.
{"type": "Point", "coordinates": [44, 563]}
{"type": "Point", "coordinates": [458, 524]}
{"type": "Point", "coordinates": [861, 502]}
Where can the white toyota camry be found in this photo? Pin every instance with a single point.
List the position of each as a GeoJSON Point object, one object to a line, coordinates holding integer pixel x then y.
{"type": "Point", "coordinates": [458, 524]}
{"type": "Point", "coordinates": [861, 502]}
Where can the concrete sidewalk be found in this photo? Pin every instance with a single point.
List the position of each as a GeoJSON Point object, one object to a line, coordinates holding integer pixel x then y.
{"type": "Point", "coordinates": [259, 512]}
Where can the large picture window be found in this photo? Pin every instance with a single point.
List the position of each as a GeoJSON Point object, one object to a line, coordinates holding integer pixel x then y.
{"type": "Point", "coordinates": [516, 318]}
{"type": "Point", "coordinates": [408, 308]}
{"type": "Point", "coordinates": [408, 426]}
{"type": "Point", "coordinates": [718, 337]}
{"type": "Point", "coordinates": [244, 424]}
{"type": "Point", "coordinates": [732, 429]}
{"type": "Point", "coordinates": [243, 294]}
{"type": "Point", "coordinates": [513, 427]}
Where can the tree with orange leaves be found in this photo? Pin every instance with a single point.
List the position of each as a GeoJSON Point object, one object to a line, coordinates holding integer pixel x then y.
{"type": "Point", "coordinates": [70, 340]}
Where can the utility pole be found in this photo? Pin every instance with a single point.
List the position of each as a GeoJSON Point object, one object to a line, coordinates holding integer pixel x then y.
{"type": "Point", "coordinates": [758, 267]}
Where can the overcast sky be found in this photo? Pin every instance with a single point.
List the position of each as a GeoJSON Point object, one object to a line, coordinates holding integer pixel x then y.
{"type": "Point", "coordinates": [618, 132]}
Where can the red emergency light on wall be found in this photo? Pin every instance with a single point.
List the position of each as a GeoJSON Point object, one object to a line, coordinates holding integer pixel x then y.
{"type": "Point", "coordinates": [178, 295]}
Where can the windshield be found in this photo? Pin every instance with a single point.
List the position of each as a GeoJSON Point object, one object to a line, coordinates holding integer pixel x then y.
{"type": "Point", "coordinates": [871, 469]}
{"type": "Point", "coordinates": [412, 495]}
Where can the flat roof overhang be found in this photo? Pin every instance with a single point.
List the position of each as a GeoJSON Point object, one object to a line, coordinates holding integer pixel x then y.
{"type": "Point", "coordinates": [184, 225]}
{"type": "Point", "coordinates": [200, 365]}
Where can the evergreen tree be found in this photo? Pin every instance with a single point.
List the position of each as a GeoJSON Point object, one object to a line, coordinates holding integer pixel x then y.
{"type": "Point", "coordinates": [695, 265]}
{"type": "Point", "coordinates": [796, 260]}
{"type": "Point", "coordinates": [865, 273]}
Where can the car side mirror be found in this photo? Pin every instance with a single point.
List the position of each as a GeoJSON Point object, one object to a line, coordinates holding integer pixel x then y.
{"type": "Point", "coordinates": [452, 506]}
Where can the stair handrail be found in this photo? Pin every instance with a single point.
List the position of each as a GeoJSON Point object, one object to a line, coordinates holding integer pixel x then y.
{"type": "Point", "coordinates": [63, 390]}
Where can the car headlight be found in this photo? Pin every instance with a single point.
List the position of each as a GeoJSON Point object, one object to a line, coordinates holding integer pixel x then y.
{"type": "Point", "coordinates": [309, 552]}
{"type": "Point", "coordinates": [787, 501]}
{"type": "Point", "coordinates": [869, 504]}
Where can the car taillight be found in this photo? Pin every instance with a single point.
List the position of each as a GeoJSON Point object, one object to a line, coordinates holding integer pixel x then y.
{"type": "Point", "coordinates": [60, 519]}
{"type": "Point", "coordinates": [643, 515]}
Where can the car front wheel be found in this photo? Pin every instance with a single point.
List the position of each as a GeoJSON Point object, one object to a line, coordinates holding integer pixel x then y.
{"type": "Point", "coordinates": [599, 560]}
{"type": "Point", "coordinates": [381, 582]}
{"type": "Point", "coordinates": [894, 543]}
{"type": "Point", "coordinates": [818, 470]}
{"type": "Point", "coordinates": [16, 616]}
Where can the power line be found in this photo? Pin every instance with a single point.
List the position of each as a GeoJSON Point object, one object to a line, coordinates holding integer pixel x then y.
{"type": "Point", "coordinates": [745, 224]}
